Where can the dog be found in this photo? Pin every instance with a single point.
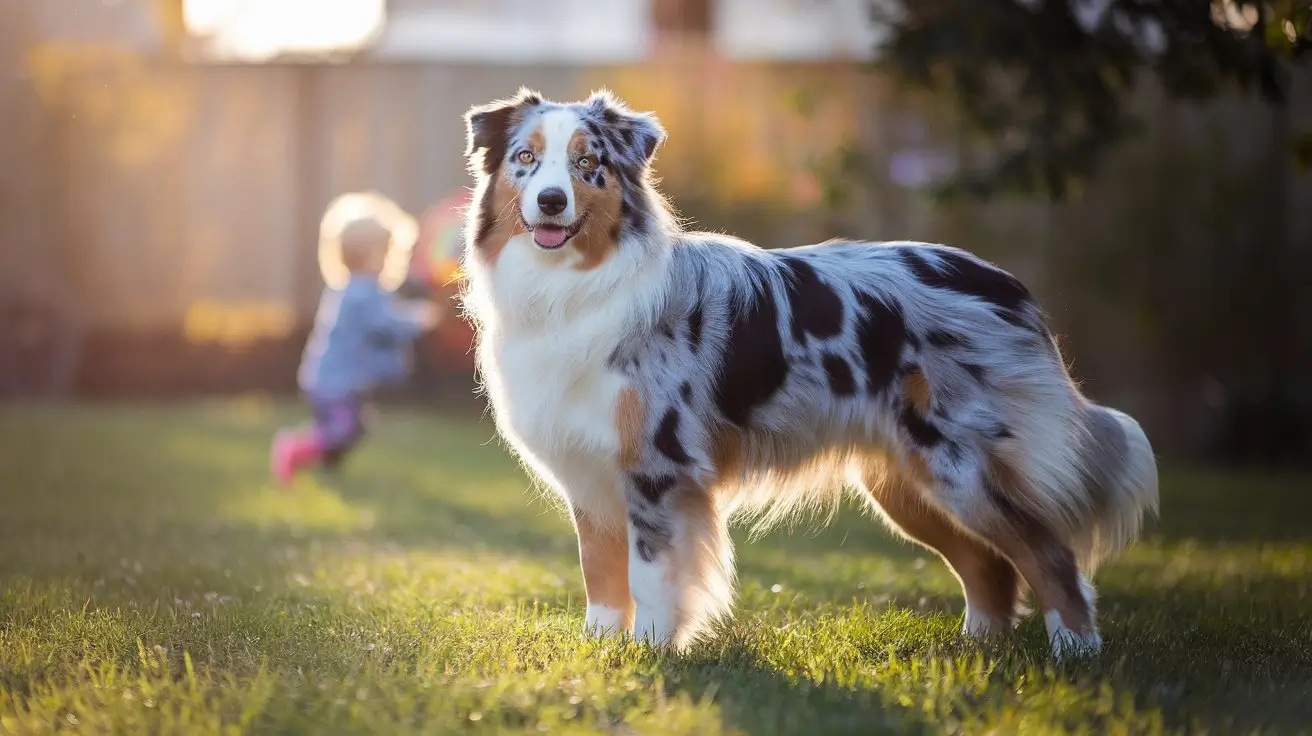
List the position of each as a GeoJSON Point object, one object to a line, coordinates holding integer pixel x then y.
{"type": "Point", "coordinates": [665, 383]}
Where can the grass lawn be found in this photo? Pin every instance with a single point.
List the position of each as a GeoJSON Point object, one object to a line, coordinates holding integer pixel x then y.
{"type": "Point", "coordinates": [155, 581]}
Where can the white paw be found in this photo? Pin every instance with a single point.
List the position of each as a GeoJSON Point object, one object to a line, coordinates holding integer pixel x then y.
{"type": "Point", "coordinates": [1070, 644]}
{"type": "Point", "coordinates": [652, 629]}
{"type": "Point", "coordinates": [601, 620]}
{"type": "Point", "coordinates": [654, 617]}
{"type": "Point", "coordinates": [980, 625]}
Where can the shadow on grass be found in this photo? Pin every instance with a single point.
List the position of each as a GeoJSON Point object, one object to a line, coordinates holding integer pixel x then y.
{"type": "Point", "coordinates": [754, 696]}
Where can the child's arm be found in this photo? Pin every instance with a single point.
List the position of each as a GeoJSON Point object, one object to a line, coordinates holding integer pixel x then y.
{"type": "Point", "coordinates": [388, 319]}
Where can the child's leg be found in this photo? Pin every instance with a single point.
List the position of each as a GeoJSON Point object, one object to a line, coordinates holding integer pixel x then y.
{"type": "Point", "coordinates": [335, 429]}
{"type": "Point", "coordinates": [332, 459]}
{"type": "Point", "coordinates": [339, 424]}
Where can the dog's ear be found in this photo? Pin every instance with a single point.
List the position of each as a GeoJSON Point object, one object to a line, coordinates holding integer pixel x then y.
{"type": "Point", "coordinates": [488, 128]}
{"type": "Point", "coordinates": [640, 132]}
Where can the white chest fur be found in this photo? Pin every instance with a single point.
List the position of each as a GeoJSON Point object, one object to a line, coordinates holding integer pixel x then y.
{"type": "Point", "coordinates": [551, 397]}
{"type": "Point", "coordinates": [548, 334]}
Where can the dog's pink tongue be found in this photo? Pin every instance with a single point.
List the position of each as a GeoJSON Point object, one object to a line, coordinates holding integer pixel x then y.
{"type": "Point", "coordinates": [549, 236]}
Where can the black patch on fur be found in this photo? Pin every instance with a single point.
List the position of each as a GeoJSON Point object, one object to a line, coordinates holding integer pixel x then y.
{"type": "Point", "coordinates": [487, 212]}
{"type": "Point", "coordinates": [643, 525]}
{"type": "Point", "coordinates": [945, 339]}
{"type": "Point", "coordinates": [633, 217]}
{"type": "Point", "coordinates": [695, 327]}
{"type": "Point", "coordinates": [881, 334]}
{"type": "Point", "coordinates": [666, 330]}
{"type": "Point", "coordinates": [652, 487]}
{"type": "Point", "coordinates": [649, 144]}
{"type": "Point", "coordinates": [841, 381]}
{"type": "Point", "coordinates": [755, 366]}
{"type": "Point", "coordinates": [975, 370]}
{"type": "Point", "coordinates": [1017, 319]}
{"type": "Point", "coordinates": [489, 131]}
{"type": "Point", "coordinates": [816, 308]}
{"type": "Point", "coordinates": [667, 438]}
{"type": "Point", "coordinates": [921, 430]}
{"type": "Point", "coordinates": [1002, 432]}
{"type": "Point", "coordinates": [1020, 520]}
{"type": "Point", "coordinates": [967, 275]}
{"type": "Point", "coordinates": [954, 452]}
{"type": "Point", "coordinates": [685, 391]}
{"type": "Point", "coordinates": [650, 535]}
{"type": "Point", "coordinates": [622, 358]}
{"type": "Point", "coordinates": [1060, 560]}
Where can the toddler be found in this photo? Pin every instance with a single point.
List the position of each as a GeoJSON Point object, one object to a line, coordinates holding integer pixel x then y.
{"type": "Point", "coordinates": [361, 340]}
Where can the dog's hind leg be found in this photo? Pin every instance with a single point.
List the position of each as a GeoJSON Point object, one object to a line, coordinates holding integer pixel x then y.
{"type": "Point", "coordinates": [989, 581]}
{"type": "Point", "coordinates": [992, 506]}
{"type": "Point", "coordinates": [957, 452]}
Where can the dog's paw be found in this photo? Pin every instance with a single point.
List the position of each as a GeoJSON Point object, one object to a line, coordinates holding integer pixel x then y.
{"type": "Point", "coordinates": [980, 625]}
{"type": "Point", "coordinates": [602, 621]}
{"type": "Point", "coordinates": [1068, 644]}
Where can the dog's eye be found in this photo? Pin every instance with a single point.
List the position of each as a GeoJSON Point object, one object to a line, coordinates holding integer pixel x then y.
{"type": "Point", "coordinates": [526, 157]}
{"type": "Point", "coordinates": [587, 163]}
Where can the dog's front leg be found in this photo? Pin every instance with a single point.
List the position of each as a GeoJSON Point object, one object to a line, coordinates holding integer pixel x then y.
{"type": "Point", "coordinates": [604, 556]}
{"type": "Point", "coordinates": [680, 558]}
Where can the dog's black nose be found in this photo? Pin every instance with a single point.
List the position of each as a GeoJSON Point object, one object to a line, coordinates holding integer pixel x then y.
{"type": "Point", "coordinates": [552, 201]}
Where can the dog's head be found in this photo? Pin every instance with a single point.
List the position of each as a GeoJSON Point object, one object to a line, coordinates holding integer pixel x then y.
{"type": "Point", "coordinates": [569, 174]}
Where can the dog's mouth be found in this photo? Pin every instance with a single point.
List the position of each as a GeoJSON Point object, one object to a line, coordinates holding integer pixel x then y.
{"type": "Point", "coordinates": [549, 236]}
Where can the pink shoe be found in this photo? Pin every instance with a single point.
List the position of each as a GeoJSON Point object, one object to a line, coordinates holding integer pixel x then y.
{"type": "Point", "coordinates": [291, 450]}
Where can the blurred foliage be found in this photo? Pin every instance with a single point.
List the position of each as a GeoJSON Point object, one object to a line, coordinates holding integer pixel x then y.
{"type": "Point", "coordinates": [1047, 82]}
{"type": "Point", "coordinates": [1303, 150]}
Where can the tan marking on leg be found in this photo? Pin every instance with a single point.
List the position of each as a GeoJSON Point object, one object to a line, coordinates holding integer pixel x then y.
{"type": "Point", "coordinates": [988, 579]}
{"type": "Point", "coordinates": [604, 557]}
{"type": "Point", "coordinates": [630, 421]}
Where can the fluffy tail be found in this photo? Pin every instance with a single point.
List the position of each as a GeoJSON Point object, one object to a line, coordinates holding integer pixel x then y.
{"type": "Point", "coordinates": [1120, 476]}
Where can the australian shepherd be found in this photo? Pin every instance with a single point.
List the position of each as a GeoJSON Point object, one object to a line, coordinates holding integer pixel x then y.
{"type": "Point", "coordinates": [665, 383]}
